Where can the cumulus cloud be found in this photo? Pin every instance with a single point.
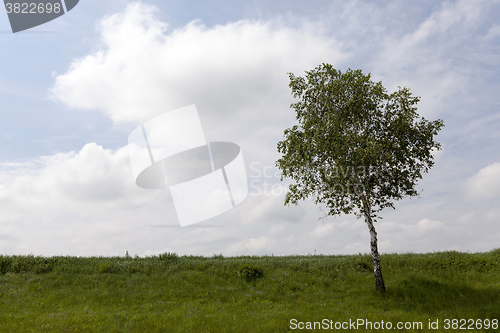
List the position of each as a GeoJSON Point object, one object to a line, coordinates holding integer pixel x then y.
{"type": "Point", "coordinates": [91, 174]}
{"type": "Point", "coordinates": [86, 203]}
{"type": "Point", "coordinates": [58, 201]}
{"type": "Point", "coordinates": [145, 69]}
{"type": "Point", "coordinates": [485, 184]}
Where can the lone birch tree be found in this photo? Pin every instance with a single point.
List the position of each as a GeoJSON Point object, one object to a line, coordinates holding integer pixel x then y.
{"type": "Point", "coordinates": [356, 148]}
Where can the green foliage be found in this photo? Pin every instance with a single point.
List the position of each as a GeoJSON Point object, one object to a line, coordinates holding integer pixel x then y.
{"type": "Point", "coordinates": [168, 256]}
{"type": "Point", "coordinates": [356, 148]}
{"type": "Point", "coordinates": [250, 273]}
{"type": "Point", "coordinates": [364, 264]}
{"type": "Point", "coordinates": [20, 264]}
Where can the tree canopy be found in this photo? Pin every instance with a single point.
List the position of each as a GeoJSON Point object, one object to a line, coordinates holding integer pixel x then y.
{"type": "Point", "coordinates": [354, 137]}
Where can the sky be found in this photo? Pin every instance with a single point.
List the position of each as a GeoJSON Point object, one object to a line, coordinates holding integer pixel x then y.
{"type": "Point", "coordinates": [73, 89]}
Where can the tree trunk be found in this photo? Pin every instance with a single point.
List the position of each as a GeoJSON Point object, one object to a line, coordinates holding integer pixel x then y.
{"type": "Point", "coordinates": [379, 280]}
{"type": "Point", "coordinates": [365, 199]}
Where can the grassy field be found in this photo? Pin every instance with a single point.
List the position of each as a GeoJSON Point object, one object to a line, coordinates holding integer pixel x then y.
{"type": "Point", "coordinates": [167, 293]}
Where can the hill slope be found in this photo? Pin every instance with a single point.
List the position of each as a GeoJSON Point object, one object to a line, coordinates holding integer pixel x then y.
{"type": "Point", "coordinates": [168, 293]}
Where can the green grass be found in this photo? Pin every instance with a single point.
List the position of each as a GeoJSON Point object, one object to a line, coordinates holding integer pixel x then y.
{"type": "Point", "coordinates": [168, 293]}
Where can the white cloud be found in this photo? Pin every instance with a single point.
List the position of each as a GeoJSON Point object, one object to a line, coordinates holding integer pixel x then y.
{"type": "Point", "coordinates": [92, 174]}
{"type": "Point", "coordinates": [427, 224]}
{"type": "Point", "coordinates": [485, 184]}
{"type": "Point", "coordinates": [257, 244]}
{"type": "Point", "coordinates": [460, 14]}
{"type": "Point", "coordinates": [493, 32]}
{"type": "Point", "coordinates": [83, 202]}
{"type": "Point", "coordinates": [324, 230]}
{"type": "Point", "coordinates": [404, 235]}
{"type": "Point", "coordinates": [86, 203]}
{"type": "Point", "coordinates": [144, 69]}
{"type": "Point", "coordinates": [441, 59]}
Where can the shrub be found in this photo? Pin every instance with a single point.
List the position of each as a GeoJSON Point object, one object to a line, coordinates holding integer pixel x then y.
{"type": "Point", "coordinates": [250, 273]}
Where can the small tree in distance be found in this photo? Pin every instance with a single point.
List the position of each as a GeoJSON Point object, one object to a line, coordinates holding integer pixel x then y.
{"type": "Point", "coordinates": [356, 148]}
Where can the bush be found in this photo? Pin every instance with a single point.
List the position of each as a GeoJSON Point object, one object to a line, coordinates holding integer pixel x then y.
{"type": "Point", "coordinates": [250, 273]}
